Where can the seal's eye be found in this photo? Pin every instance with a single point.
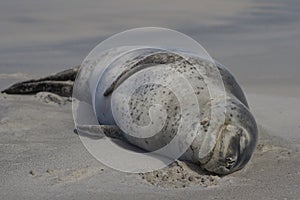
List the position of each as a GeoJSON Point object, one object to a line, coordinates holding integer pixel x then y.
{"type": "Point", "coordinates": [230, 162]}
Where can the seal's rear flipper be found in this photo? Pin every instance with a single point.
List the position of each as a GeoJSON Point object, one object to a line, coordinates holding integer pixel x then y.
{"type": "Point", "coordinates": [99, 131]}
{"type": "Point", "coordinates": [60, 83]}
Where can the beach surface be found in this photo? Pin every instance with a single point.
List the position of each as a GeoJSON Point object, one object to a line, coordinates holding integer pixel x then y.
{"type": "Point", "coordinates": [42, 157]}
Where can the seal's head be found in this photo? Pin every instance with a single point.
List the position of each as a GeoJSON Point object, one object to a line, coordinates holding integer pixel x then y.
{"type": "Point", "coordinates": [232, 151]}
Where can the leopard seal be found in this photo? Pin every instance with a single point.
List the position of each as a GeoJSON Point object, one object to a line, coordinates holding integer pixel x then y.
{"type": "Point", "coordinates": [218, 148]}
{"type": "Point", "coordinates": [234, 140]}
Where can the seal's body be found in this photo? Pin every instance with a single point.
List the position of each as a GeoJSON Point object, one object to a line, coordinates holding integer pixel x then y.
{"type": "Point", "coordinates": [223, 140]}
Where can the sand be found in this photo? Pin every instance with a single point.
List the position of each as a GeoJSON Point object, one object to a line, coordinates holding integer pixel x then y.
{"type": "Point", "coordinates": [42, 157]}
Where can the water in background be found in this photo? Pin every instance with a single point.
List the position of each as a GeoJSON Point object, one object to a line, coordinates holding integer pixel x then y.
{"type": "Point", "coordinates": [258, 40]}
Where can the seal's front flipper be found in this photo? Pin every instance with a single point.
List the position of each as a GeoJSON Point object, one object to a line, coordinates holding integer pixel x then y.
{"type": "Point", "coordinates": [99, 131]}
{"type": "Point", "coordinates": [132, 62]}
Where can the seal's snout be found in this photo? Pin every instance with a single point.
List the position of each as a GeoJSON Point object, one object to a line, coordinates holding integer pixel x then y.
{"type": "Point", "coordinates": [229, 153]}
{"type": "Point", "coordinates": [230, 162]}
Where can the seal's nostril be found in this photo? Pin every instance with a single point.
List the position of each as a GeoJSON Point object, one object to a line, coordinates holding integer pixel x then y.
{"type": "Point", "coordinates": [230, 162]}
